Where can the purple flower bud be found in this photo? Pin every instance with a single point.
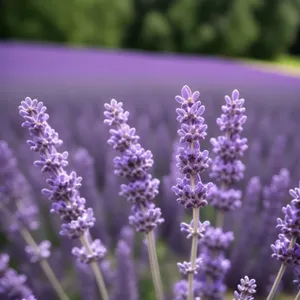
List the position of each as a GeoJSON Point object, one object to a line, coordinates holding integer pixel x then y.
{"type": "Point", "coordinates": [97, 252]}
{"type": "Point", "coordinates": [225, 200]}
{"type": "Point", "coordinates": [180, 290]}
{"type": "Point", "coordinates": [189, 229]}
{"type": "Point", "coordinates": [186, 267]}
{"type": "Point", "coordinates": [284, 253]}
{"type": "Point", "coordinates": [217, 240]}
{"type": "Point", "coordinates": [189, 196]}
{"type": "Point", "coordinates": [245, 289]}
{"type": "Point", "coordinates": [39, 252]}
{"type": "Point", "coordinates": [147, 219]}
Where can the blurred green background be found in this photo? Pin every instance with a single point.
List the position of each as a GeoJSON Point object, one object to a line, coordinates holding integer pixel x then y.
{"type": "Point", "coordinates": [260, 29]}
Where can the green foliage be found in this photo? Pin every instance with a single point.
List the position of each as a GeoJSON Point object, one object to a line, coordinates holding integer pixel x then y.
{"type": "Point", "coordinates": [278, 22]}
{"type": "Point", "coordinates": [256, 28]}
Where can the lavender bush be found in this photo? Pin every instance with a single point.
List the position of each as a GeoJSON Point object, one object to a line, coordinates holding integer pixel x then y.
{"type": "Point", "coordinates": [220, 262]}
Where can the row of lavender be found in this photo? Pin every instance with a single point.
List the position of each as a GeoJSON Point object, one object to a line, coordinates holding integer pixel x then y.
{"type": "Point", "coordinates": [117, 211]}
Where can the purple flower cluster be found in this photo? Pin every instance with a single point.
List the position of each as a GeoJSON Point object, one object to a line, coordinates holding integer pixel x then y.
{"type": "Point", "coordinates": [133, 164]}
{"type": "Point", "coordinates": [190, 191]}
{"type": "Point", "coordinates": [246, 289]}
{"type": "Point", "coordinates": [214, 263]}
{"type": "Point", "coordinates": [17, 207]}
{"type": "Point", "coordinates": [63, 189]}
{"type": "Point", "coordinates": [180, 290]}
{"type": "Point", "coordinates": [12, 285]}
{"type": "Point", "coordinates": [285, 248]}
{"type": "Point", "coordinates": [227, 167]}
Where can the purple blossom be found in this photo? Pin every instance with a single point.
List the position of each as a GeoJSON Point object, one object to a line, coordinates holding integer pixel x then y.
{"type": "Point", "coordinates": [15, 194]}
{"type": "Point", "coordinates": [180, 290]}
{"type": "Point", "coordinates": [229, 148]}
{"type": "Point", "coordinates": [97, 250]}
{"type": "Point", "coordinates": [133, 164]}
{"type": "Point", "coordinates": [213, 290]}
{"type": "Point", "coordinates": [63, 187]}
{"type": "Point", "coordinates": [186, 267]}
{"type": "Point", "coordinates": [215, 240]}
{"type": "Point", "coordinates": [246, 289]}
{"type": "Point", "coordinates": [290, 225]}
{"type": "Point", "coordinates": [189, 229]}
{"type": "Point", "coordinates": [285, 253]}
{"type": "Point", "coordinates": [12, 285]}
{"type": "Point", "coordinates": [145, 220]}
{"type": "Point", "coordinates": [38, 252]}
{"type": "Point", "coordinates": [190, 190]}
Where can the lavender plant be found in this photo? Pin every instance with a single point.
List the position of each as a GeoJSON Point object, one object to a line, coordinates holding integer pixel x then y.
{"type": "Point", "coordinates": [190, 191]}
{"type": "Point", "coordinates": [285, 249]}
{"type": "Point", "coordinates": [20, 214]}
{"type": "Point", "coordinates": [133, 164]}
{"type": "Point", "coordinates": [227, 169]}
{"type": "Point", "coordinates": [204, 274]}
{"type": "Point", "coordinates": [63, 187]}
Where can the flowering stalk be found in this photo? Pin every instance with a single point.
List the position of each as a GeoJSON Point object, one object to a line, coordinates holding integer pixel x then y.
{"type": "Point", "coordinates": [22, 214]}
{"type": "Point", "coordinates": [133, 164]}
{"type": "Point", "coordinates": [63, 187]}
{"type": "Point", "coordinates": [285, 249]}
{"type": "Point", "coordinates": [227, 169]}
{"type": "Point", "coordinates": [190, 191]}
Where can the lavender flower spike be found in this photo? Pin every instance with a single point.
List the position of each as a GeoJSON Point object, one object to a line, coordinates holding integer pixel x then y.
{"type": "Point", "coordinates": [190, 190]}
{"type": "Point", "coordinates": [133, 164]}
{"type": "Point", "coordinates": [245, 289]}
{"type": "Point", "coordinates": [21, 214]}
{"type": "Point", "coordinates": [64, 188]}
{"type": "Point", "coordinates": [12, 285]}
{"type": "Point", "coordinates": [285, 249]}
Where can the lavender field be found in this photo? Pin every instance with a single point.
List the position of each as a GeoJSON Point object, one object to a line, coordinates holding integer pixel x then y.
{"type": "Point", "coordinates": [74, 84]}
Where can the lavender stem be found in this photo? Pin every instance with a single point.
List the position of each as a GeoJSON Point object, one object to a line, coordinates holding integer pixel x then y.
{"type": "Point", "coordinates": [280, 274]}
{"type": "Point", "coordinates": [45, 266]}
{"type": "Point", "coordinates": [193, 252]}
{"type": "Point", "coordinates": [220, 219]}
{"type": "Point", "coordinates": [97, 272]}
{"type": "Point", "coordinates": [297, 296]}
{"type": "Point", "coordinates": [154, 266]}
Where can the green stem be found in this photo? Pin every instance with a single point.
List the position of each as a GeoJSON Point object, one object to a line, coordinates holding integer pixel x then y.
{"type": "Point", "coordinates": [280, 274]}
{"type": "Point", "coordinates": [193, 253]}
{"type": "Point", "coordinates": [154, 266]}
{"type": "Point", "coordinates": [45, 266]}
{"type": "Point", "coordinates": [96, 270]}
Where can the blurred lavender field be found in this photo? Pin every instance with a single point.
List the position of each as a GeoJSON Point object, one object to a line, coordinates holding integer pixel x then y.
{"type": "Point", "coordinates": [75, 84]}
